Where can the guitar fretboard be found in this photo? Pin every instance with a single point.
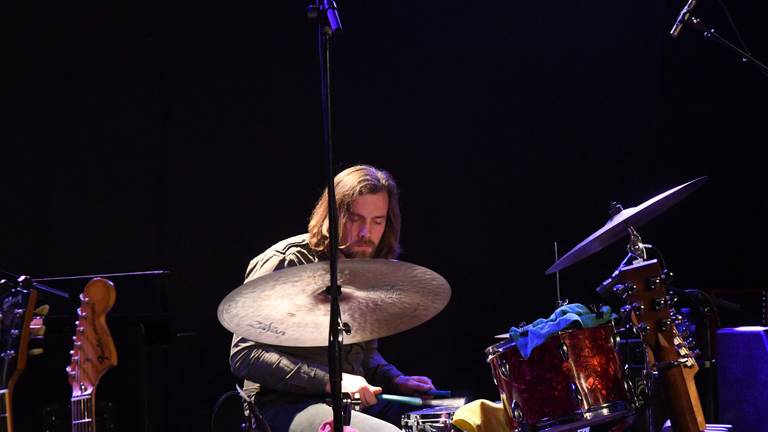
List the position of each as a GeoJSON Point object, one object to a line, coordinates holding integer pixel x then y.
{"type": "Point", "coordinates": [82, 414]}
{"type": "Point", "coordinates": [5, 419]}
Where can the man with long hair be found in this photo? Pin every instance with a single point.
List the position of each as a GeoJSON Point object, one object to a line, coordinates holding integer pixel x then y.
{"type": "Point", "coordinates": [289, 385]}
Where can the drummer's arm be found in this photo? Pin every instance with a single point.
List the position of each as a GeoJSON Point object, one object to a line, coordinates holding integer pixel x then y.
{"type": "Point", "coordinates": [264, 364]}
{"type": "Point", "coordinates": [275, 370]}
{"type": "Point", "coordinates": [386, 375]}
{"type": "Point", "coordinates": [377, 370]}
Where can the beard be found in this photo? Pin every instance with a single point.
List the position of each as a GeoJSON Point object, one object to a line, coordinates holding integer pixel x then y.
{"type": "Point", "coordinates": [355, 250]}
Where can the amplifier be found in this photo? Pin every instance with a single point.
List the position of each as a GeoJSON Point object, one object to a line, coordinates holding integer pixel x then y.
{"type": "Point", "coordinates": [742, 377]}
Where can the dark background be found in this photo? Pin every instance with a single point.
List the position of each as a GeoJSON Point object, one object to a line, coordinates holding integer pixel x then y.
{"type": "Point", "coordinates": [143, 136]}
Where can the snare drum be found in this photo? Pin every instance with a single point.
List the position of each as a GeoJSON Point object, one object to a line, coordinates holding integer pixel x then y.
{"type": "Point", "coordinates": [572, 380]}
{"type": "Point", "coordinates": [435, 419]}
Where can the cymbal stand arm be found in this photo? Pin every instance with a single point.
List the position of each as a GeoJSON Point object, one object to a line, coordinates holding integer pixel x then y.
{"type": "Point", "coordinates": [636, 246]}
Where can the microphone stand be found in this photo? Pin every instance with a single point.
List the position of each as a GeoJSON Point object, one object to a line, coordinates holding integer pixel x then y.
{"type": "Point", "coordinates": [710, 33]}
{"type": "Point", "coordinates": [328, 23]}
{"type": "Point", "coordinates": [34, 284]}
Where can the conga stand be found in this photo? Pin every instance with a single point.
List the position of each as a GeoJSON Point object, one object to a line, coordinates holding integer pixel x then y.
{"type": "Point", "coordinates": [328, 23]}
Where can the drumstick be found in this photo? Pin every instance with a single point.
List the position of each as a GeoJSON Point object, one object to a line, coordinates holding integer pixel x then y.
{"type": "Point", "coordinates": [411, 400]}
{"type": "Point", "coordinates": [406, 400]}
{"type": "Point", "coordinates": [438, 393]}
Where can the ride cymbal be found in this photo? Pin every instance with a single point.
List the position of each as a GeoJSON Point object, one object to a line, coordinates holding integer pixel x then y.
{"type": "Point", "coordinates": [290, 307]}
{"type": "Point", "coordinates": [618, 225]}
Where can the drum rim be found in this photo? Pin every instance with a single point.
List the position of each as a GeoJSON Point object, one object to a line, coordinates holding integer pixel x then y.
{"type": "Point", "coordinates": [595, 416]}
{"type": "Point", "coordinates": [434, 409]}
{"type": "Point", "coordinates": [431, 416]}
{"type": "Point", "coordinates": [507, 344]}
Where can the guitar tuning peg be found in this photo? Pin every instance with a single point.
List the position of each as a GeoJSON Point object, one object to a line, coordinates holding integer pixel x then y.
{"type": "Point", "coordinates": [637, 308]}
{"type": "Point", "coordinates": [35, 352]}
{"type": "Point", "coordinates": [42, 310]}
{"type": "Point", "coordinates": [37, 332]}
{"type": "Point", "coordinates": [659, 303]}
{"type": "Point", "coordinates": [642, 329]}
{"type": "Point", "coordinates": [667, 276]}
{"type": "Point", "coordinates": [664, 324]}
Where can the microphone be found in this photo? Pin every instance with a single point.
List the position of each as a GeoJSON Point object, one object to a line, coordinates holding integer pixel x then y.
{"type": "Point", "coordinates": [332, 13]}
{"type": "Point", "coordinates": [684, 16]}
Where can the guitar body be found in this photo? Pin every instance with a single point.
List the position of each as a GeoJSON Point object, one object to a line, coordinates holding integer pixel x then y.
{"type": "Point", "coordinates": [93, 352]}
{"type": "Point", "coordinates": [649, 306]}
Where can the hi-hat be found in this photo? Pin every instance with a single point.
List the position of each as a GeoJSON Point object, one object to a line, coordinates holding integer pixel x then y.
{"type": "Point", "coordinates": [618, 225]}
{"type": "Point", "coordinates": [290, 307]}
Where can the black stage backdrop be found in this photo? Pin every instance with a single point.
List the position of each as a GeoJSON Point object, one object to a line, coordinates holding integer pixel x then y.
{"type": "Point", "coordinates": [183, 137]}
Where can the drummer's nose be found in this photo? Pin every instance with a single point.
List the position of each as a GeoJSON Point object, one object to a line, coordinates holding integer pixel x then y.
{"type": "Point", "coordinates": [364, 232]}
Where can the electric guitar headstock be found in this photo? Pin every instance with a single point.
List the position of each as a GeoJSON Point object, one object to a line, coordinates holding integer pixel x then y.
{"type": "Point", "coordinates": [644, 286]}
{"type": "Point", "coordinates": [19, 322]}
{"type": "Point", "coordinates": [93, 351]}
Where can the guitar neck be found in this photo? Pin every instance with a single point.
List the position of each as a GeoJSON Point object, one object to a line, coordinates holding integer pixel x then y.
{"type": "Point", "coordinates": [5, 411]}
{"type": "Point", "coordinates": [679, 384]}
{"type": "Point", "coordinates": [645, 288]}
{"type": "Point", "coordinates": [83, 414]}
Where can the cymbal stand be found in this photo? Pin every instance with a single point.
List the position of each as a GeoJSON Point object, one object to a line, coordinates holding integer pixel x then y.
{"type": "Point", "coordinates": [636, 246]}
{"type": "Point", "coordinates": [325, 12]}
{"type": "Point", "coordinates": [559, 302]}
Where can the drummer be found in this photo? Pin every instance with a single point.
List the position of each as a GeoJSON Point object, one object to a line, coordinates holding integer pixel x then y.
{"type": "Point", "coordinates": [289, 385]}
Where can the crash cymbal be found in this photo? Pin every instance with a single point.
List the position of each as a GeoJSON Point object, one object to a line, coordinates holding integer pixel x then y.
{"type": "Point", "coordinates": [290, 307]}
{"type": "Point", "coordinates": [618, 225]}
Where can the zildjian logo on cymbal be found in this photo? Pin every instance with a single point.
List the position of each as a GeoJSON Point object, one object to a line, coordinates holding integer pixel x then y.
{"type": "Point", "coordinates": [267, 328]}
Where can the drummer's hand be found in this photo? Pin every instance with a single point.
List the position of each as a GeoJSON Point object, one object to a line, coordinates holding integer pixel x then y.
{"type": "Point", "coordinates": [357, 386]}
{"type": "Point", "coordinates": [414, 385]}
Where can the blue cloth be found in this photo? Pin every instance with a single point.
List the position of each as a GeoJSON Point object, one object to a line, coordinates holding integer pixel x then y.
{"type": "Point", "coordinates": [568, 316]}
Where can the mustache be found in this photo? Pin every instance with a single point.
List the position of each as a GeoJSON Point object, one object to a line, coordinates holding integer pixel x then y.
{"type": "Point", "coordinates": [364, 242]}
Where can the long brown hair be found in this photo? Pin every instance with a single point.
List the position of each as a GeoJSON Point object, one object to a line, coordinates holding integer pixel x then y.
{"type": "Point", "coordinates": [349, 185]}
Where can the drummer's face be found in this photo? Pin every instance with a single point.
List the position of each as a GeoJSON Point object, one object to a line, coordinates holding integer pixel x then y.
{"type": "Point", "coordinates": [365, 225]}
